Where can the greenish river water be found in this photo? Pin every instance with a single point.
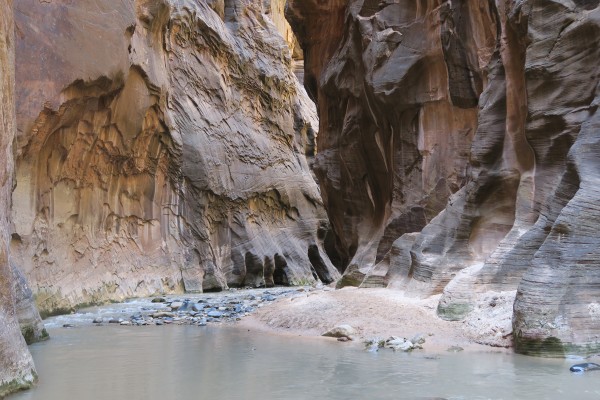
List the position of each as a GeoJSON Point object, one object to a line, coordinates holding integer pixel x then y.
{"type": "Point", "coordinates": [190, 362]}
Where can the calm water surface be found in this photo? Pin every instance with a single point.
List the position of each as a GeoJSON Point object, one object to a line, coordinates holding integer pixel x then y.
{"type": "Point", "coordinates": [189, 362]}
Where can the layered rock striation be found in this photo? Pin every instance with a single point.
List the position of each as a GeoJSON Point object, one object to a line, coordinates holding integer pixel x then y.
{"type": "Point", "coordinates": [16, 365]}
{"type": "Point", "coordinates": [162, 148]}
{"type": "Point", "coordinates": [456, 154]}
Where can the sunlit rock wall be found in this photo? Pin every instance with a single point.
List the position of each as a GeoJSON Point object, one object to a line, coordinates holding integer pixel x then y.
{"type": "Point", "coordinates": [161, 148]}
{"type": "Point", "coordinates": [456, 154]}
{"type": "Point", "coordinates": [16, 366]}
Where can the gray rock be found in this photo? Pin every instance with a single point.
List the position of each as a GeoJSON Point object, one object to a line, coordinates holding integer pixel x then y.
{"type": "Point", "coordinates": [399, 344]}
{"type": "Point", "coordinates": [17, 371]}
{"type": "Point", "coordinates": [374, 344]}
{"type": "Point", "coordinates": [418, 339]}
{"type": "Point", "coordinates": [215, 314]}
{"type": "Point", "coordinates": [28, 316]}
{"type": "Point", "coordinates": [163, 314]}
{"type": "Point", "coordinates": [340, 331]}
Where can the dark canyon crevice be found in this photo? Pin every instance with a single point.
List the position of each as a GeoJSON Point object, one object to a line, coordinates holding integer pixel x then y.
{"type": "Point", "coordinates": [455, 149]}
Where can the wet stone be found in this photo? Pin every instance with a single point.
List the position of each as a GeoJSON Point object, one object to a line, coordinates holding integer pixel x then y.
{"type": "Point", "coordinates": [215, 314]}
{"type": "Point", "coordinates": [198, 307]}
{"type": "Point", "coordinates": [228, 308]}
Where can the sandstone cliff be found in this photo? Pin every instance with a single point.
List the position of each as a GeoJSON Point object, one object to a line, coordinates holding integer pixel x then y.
{"type": "Point", "coordinates": [16, 366]}
{"type": "Point", "coordinates": [456, 153]}
{"type": "Point", "coordinates": [161, 148]}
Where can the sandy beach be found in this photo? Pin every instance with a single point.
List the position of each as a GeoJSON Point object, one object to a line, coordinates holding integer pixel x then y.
{"type": "Point", "coordinates": [377, 313]}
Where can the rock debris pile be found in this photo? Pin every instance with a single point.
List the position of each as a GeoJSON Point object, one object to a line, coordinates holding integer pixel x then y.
{"type": "Point", "coordinates": [198, 310]}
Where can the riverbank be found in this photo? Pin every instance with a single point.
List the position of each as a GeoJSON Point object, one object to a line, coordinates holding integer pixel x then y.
{"type": "Point", "coordinates": [374, 314]}
{"type": "Point", "coordinates": [381, 313]}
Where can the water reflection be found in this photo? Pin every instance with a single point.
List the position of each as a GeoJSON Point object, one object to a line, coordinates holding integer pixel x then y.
{"type": "Point", "coordinates": [189, 362]}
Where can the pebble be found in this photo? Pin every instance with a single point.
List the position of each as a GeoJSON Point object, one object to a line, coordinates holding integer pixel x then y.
{"type": "Point", "coordinates": [187, 306]}
{"type": "Point", "coordinates": [215, 314]}
{"type": "Point", "coordinates": [198, 307]}
{"type": "Point", "coordinates": [163, 314]}
{"type": "Point", "coordinates": [418, 339]}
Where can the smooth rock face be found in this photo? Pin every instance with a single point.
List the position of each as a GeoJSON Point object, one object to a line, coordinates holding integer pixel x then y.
{"type": "Point", "coordinates": [161, 148]}
{"type": "Point", "coordinates": [458, 154]}
{"type": "Point", "coordinates": [16, 366]}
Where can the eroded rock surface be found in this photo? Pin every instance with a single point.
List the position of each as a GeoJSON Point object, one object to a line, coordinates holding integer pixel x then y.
{"type": "Point", "coordinates": [30, 322]}
{"type": "Point", "coordinates": [455, 154]}
{"type": "Point", "coordinates": [161, 148]}
{"type": "Point", "coordinates": [16, 365]}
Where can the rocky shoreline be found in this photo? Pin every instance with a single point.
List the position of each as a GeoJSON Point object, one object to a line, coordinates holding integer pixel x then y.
{"type": "Point", "coordinates": [366, 316]}
{"type": "Point", "coordinates": [190, 309]}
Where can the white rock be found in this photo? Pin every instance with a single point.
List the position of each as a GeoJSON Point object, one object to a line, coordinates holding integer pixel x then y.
{"type": "Point", "coordinates": [340, 331]}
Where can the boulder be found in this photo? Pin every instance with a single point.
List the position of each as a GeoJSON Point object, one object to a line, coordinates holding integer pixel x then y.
{"type": "Point", "coordinates": [341, 331]}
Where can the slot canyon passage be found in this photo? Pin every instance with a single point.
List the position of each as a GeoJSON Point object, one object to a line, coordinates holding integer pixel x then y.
{"type": "Point", "coordinates": [407, 165]}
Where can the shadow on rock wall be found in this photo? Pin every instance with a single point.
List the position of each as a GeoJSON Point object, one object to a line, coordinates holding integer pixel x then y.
{"type": "Point", "coordinates": [455, 154]}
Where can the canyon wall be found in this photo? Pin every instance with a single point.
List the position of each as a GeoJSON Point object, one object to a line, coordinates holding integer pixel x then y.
{"type": "Point", "coordinates": [161, 147]}
{"type": "Point", "coordinates": [456, 154]}
{"type": "Point", "coordinates": [16, 365]}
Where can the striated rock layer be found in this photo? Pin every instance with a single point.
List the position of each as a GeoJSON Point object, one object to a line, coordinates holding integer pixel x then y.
{"type": "Point", "coordinates": [16, 365]}
{"type": "Point", "coordinates": [457, 154]}
{"type": "Point", "coordinates": [161, 148]}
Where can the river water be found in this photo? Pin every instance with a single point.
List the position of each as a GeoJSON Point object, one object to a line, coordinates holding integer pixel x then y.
{"type": "Point", "coordinates": [191, 362]}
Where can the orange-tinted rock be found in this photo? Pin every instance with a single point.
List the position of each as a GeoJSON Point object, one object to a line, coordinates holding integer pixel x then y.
{"type": "Point", "coordinates": [161, 150]}
{"type": "Point", "coordinates": [397, 104]}
{"type": "Point", "coordinates": [472, 125]}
